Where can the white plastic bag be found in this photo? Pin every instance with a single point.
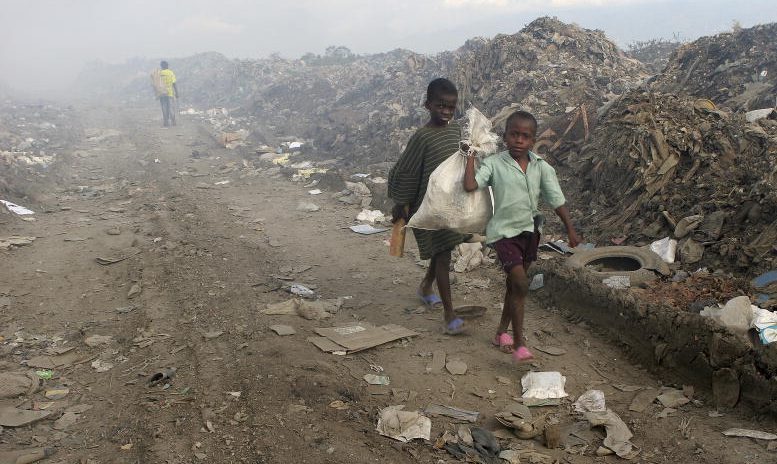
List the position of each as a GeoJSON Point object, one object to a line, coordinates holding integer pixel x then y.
{"type": "Point", "coordinates": [446, 204]}
{"type": "Point", "coordinates": [543, 385]}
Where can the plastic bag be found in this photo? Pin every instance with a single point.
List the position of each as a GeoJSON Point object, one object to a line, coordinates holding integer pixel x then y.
{"type": "Point", "coordinates": [446, 204]}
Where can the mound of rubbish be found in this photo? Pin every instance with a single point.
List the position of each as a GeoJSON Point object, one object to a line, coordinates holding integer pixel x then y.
{"type": "Point", "coordinates": [547, 68]}
{"type": "Point", "coordinates": [32, 136]}
{"type": "Point", "coordinates": [363, 109]}
{"type": "Point", "coordinates": [665, 165]}
{"type": "Point", "coordinates": [736, 69]}
{"type": "Point", "coordinates": [655, 53]}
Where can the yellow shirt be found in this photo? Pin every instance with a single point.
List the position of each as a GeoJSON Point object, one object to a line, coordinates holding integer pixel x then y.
{"type": "Point", "coordinates": [168, 79]}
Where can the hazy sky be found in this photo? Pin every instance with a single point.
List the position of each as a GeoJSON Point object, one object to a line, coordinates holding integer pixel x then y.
{"type": "Point", "coordinates": [43, 43]}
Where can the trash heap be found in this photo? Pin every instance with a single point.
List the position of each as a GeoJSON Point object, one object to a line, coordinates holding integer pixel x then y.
{"type": "Point", "coordinates": [736, 69]}
{"type": "Point", "coordinates": [548, 68]}
{"type": "Point", "coordinates": [665, 165]}
{"type": "Point", "coordinates": [31, 137]}
{"type": "Point", "coordinates": [655, 53]}
{"type": "Point", "coordinates": [363, 109]}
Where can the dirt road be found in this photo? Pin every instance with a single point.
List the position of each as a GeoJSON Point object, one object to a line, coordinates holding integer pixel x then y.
{"type": "Point", "coordinates": [204, 238]}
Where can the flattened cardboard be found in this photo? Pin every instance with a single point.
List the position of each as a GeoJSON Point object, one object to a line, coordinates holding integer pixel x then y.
{"type": "Point", "coordinates": [360, 336]}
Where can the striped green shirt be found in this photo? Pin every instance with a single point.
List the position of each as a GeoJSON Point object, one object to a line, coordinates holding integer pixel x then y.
{"type": "Point", "coordinates": [408, 179]}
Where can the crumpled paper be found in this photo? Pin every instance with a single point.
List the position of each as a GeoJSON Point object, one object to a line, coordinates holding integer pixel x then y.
{"type": "Point", "coordinates": [401, 425]}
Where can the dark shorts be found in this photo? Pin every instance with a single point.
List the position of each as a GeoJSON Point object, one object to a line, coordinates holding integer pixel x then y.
{"type": "Point", "coordinates": [517, 251]}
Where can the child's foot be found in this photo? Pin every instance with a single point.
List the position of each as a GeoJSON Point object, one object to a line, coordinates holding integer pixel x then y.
{"type": "Point", "coordinates": [504, 342]}
{"type": "Point", "coordinates": [454, 327]}
{"type": "Point", "coordinates": [431, 300]}
{"type": "Point", "coordinates": [522, 354]}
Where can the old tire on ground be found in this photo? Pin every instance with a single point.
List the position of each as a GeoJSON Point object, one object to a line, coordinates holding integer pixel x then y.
{"type": "Point", "coordinates": [640, 264]}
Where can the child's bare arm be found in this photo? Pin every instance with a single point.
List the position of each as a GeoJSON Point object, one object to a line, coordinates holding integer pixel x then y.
{"type": "Point", "coordinates": [563, 214]}
{"type": "Point", "coordinates": [470, 184]}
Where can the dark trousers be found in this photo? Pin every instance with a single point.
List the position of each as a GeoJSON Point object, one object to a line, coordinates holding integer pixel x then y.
{"type": "Point", "coordinates": [168, 115]}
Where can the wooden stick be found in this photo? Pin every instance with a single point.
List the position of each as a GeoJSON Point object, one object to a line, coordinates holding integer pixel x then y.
{"type": "Point", "coordinates": [397, 242]}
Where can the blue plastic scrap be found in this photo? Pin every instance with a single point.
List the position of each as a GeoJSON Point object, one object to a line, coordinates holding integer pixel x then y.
{"type": "Point", "coordinates": [764, 280]}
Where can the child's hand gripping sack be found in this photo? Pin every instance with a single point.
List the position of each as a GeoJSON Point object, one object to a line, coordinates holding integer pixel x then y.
{"type": "Point", "coordinates": [446, 204]}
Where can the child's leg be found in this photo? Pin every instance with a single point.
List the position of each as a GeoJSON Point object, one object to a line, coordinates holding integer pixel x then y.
{"type": "Point", "coordinates": [517, 290]}
{"type": "Point", "coordinates": [442, 265]}
{"type": "Point", "coordinates": [429, 278]}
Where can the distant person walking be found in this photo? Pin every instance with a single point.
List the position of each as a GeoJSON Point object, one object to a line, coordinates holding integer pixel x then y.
{"type": "Point", "coordinates": [167, 91]}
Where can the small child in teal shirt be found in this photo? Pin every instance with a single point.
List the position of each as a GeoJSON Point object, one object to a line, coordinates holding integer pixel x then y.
{"type": "Point", "coordinates": [518, 178]}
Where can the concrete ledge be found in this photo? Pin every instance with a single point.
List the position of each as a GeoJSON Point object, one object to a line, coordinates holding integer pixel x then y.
{"type": "Point", "coordinates": [669, 341]}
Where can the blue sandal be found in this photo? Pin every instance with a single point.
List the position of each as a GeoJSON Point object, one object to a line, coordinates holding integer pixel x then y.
{"type": "Point", "coordinates": [454, 327]}
{"type": "Point", "coordinates": [431, 301]}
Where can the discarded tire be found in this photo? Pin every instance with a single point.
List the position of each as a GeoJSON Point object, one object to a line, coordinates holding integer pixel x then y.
{"type": "Point", "coordinates": [639, 264]}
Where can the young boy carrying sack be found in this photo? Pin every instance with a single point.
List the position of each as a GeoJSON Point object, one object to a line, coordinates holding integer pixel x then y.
{"type": "Point", "coordinates": [518, 178]}
{"type": "Point", "coordinates": [427, 148]}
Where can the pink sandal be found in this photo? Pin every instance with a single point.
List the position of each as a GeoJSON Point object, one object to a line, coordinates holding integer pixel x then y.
{"type": "Point", "coordinates": [504, 342]}
{"type": "Point", "coordinates": [522, 354]}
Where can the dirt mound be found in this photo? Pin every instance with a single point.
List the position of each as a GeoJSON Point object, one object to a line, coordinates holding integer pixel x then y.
{"type": "Point", "coordinates": [656, 159]}
{"type": "Point", "coordinates": [737, 69]}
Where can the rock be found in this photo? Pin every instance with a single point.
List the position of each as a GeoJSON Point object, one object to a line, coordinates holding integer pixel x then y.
{"type": "Point", "coordinates": [725, 388]}
{"type": "Point", "coordinates": [134, 291]}
{"type": "Point", "coordinates": [691, 251]}
{"type": "Point", "coordinates": [97, 340]}
{"type": "Point", "coordinates": [456, 367]}
{"type": "Point", "coordinates": [307, 207]}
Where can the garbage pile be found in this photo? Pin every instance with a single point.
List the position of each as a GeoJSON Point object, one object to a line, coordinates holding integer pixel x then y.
{"type": "Point", "coordinates": [665, 165]}
{"type": "Point", "coordinates": [736, 69]}
{"type": "Point", "coordinates": [31, 137]}
{"type": "Point", "coordinates": [548, 68]}
{"type": "Point", "coordinates": [363, 109]}
{"type": "Point", "coordinates": [655, 53]}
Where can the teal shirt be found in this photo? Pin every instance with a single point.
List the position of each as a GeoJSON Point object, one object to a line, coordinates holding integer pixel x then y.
{"type": "Point", "coordinates": [517, 193]}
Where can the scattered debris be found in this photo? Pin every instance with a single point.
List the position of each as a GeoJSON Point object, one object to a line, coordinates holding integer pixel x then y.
{"type": "Point", "coordinates": [618, 433]}
{"type": "Point", "coordinates": [618, 282]}
{"type": "Point", "coordinates": [57, 393]}
{"type": "Point", "coordinates": [101, 366]}
{"type": "Point", "coordinates": [283, 330]}
{"type": "Point", "coordinates": [97, 340]}
{"type": "Point", "coordinates": [374, 379]}
{"type": "Point", "coordinates": [13, 384]}
{"type": "Point", "coordinates": [358, 337]}
{"type": "Point", "coordinates": [366, 229]}
{"type": "Point", "coordinates": [162, 377]}
{"type": "Point", "coordinates": [7, 243]}
{"type": "Point", "coordinates": [403, 426]}
{"type": "Point", "coordinates": [450, 411]}
{"type": "Point", "coordinates": [13, 417]}
{"type": "Point", "coordinates": [301, 290]}
{"type": "Point", "coordinates": [537, 282]}
{"type": "Point", "coordinates": [551, 350]}
{"type": "Point", "coordinates": [438, 362]}
{"type": "Point", "coordinates": [16, 209]}
{"type": "Point", "coordinates": [643, 399]}
{"type": "Point", "coordinates": [125, 254]}
{"type": "Point", "coordinates": [307, 207]}
{"type": "Point", "coordinates": [371, 216]}
{"type": "Point", "coordinates": [456, 367]}
{"type": "Point", "coordinates": [543, 385]}
{"type": "Point", "coordinates": [134, 291]}
{"type": "Point", "coordinates": [673, 398]}
{"type": "Point", "coordinates": [750, 434]}
{"type": "Point", "coordinates": [591, 400]}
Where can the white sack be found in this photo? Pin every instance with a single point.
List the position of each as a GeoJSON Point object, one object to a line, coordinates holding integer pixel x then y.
{"type": "Point", "coordinates": [446, 204]}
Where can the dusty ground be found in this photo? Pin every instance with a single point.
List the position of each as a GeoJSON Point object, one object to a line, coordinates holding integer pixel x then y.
{"type": "Point", "coordinates": [206, 260]}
